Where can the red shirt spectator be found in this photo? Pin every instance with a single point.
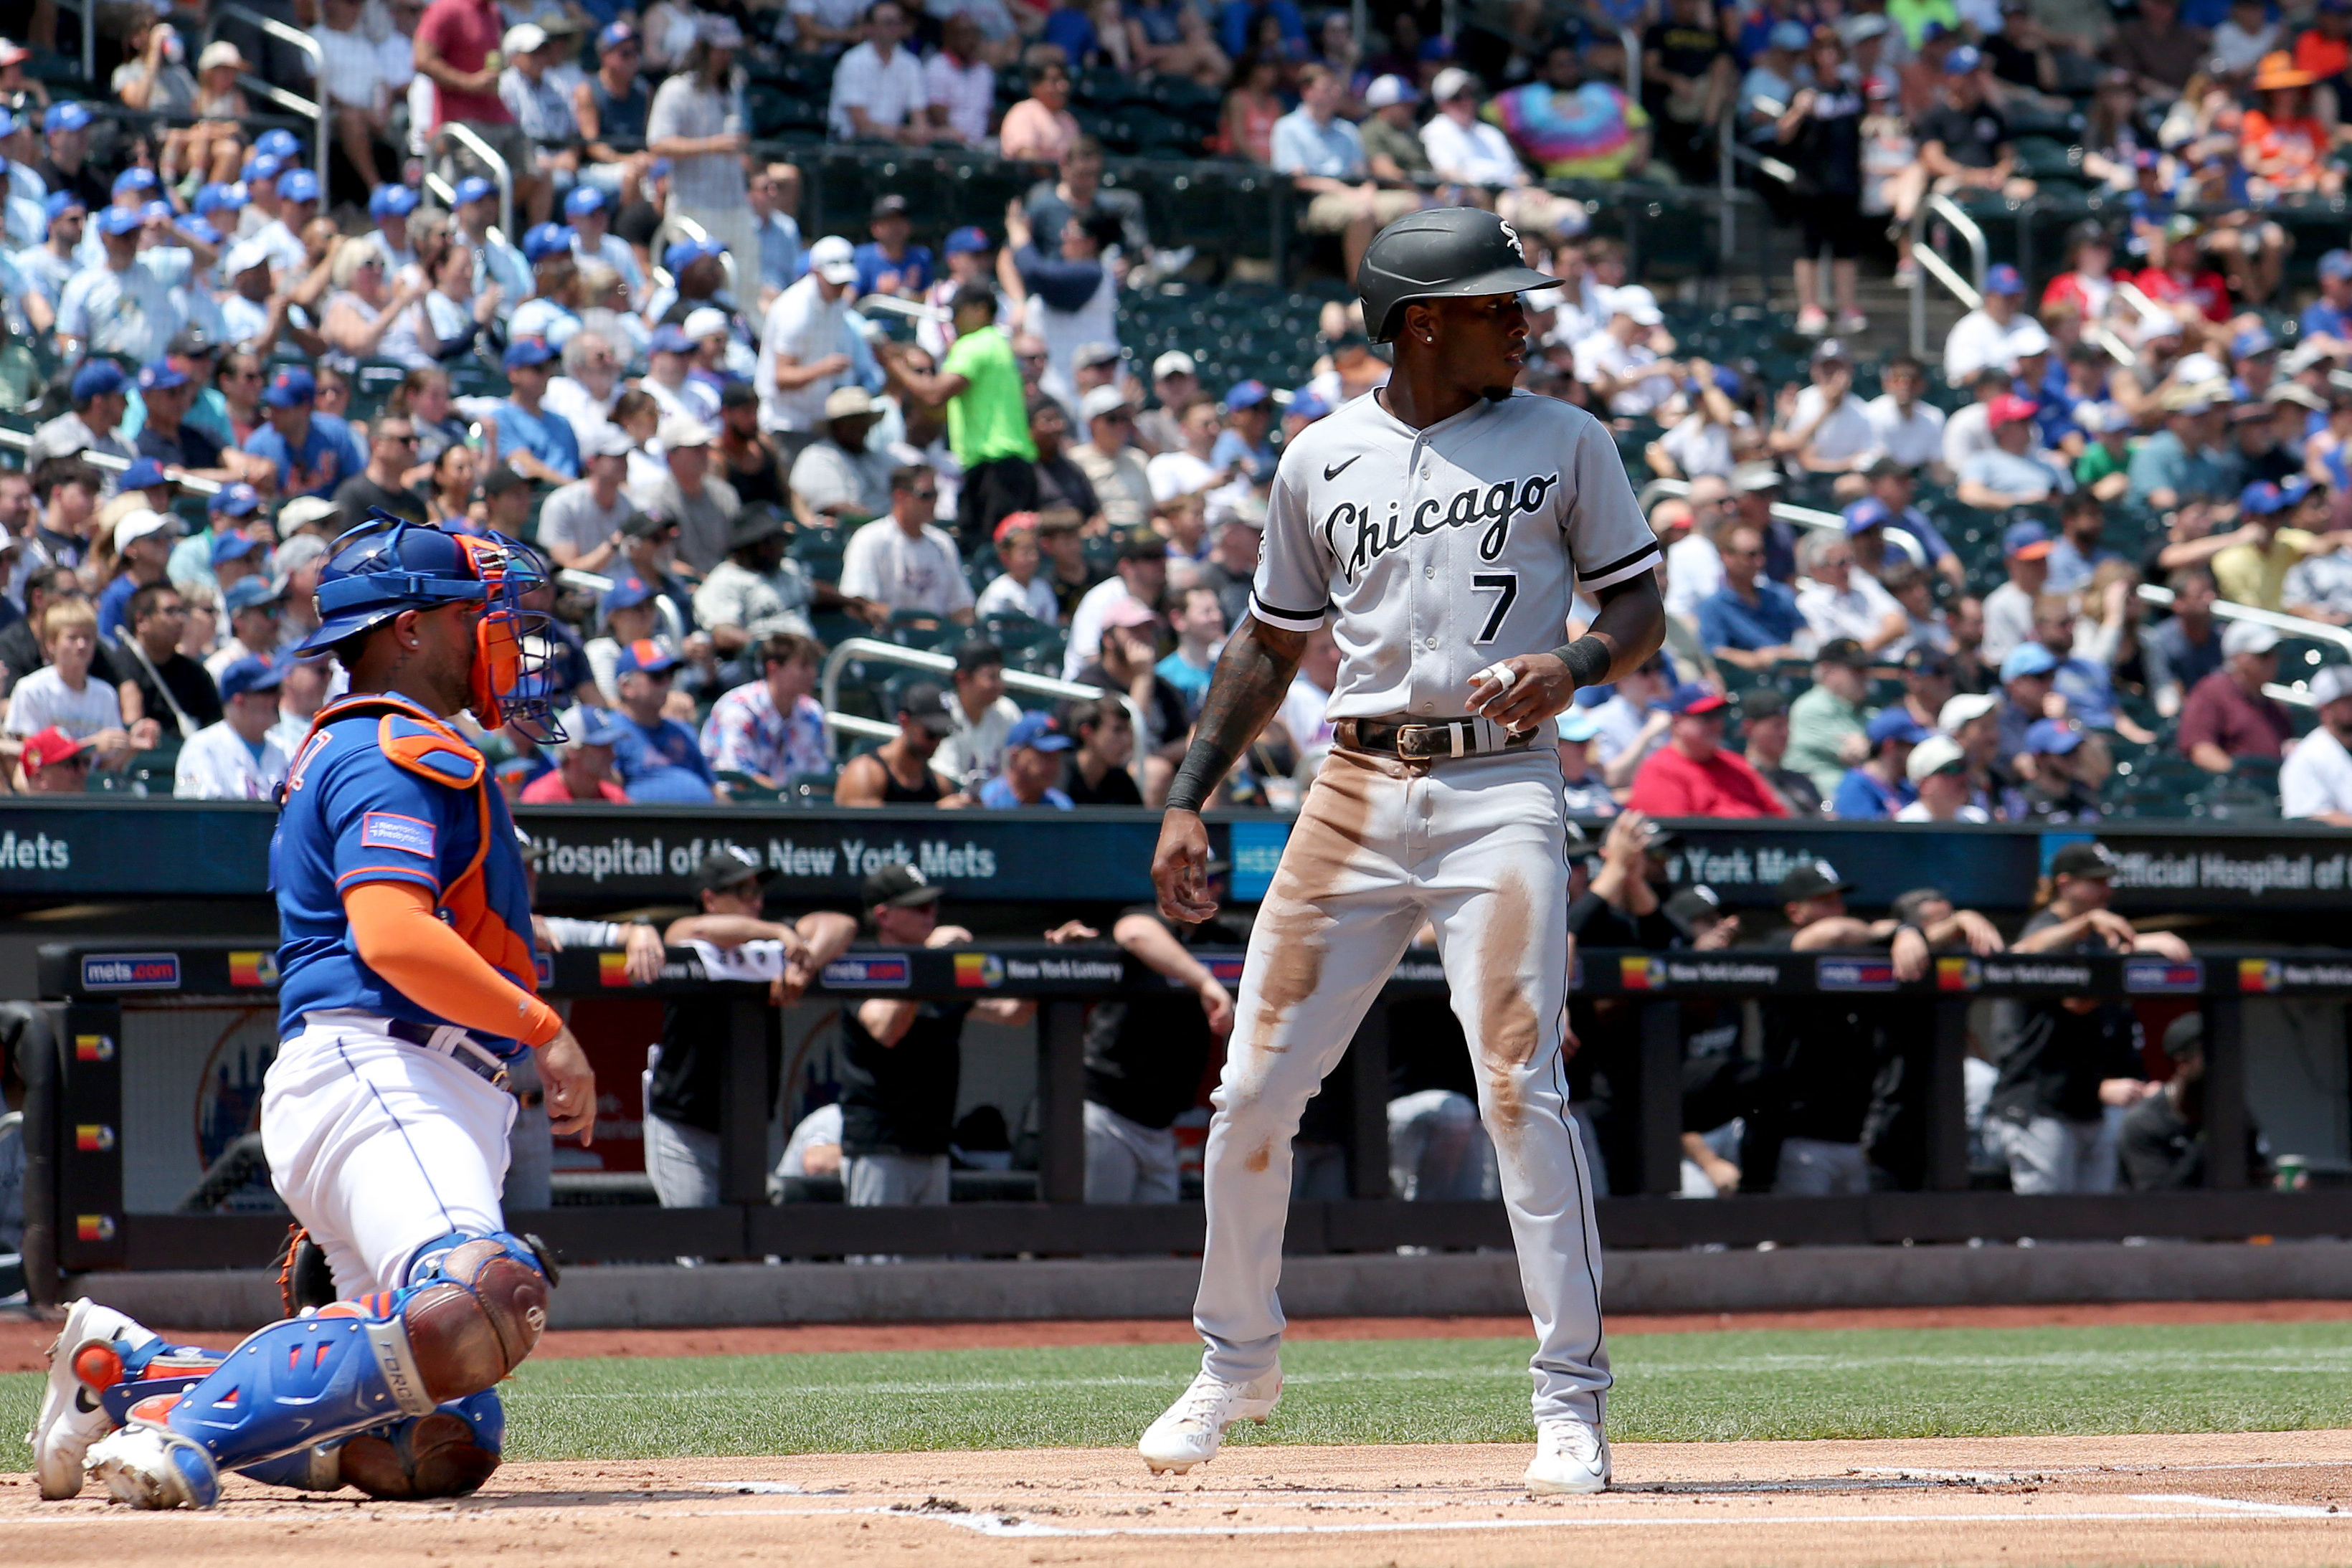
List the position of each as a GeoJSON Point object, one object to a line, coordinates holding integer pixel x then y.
{"type": "Point", "coordinates": [551, 788]}
{"type": "Point", "coordinates": [1693, 775]}
{"type": "Point", "coordinates": [465, 33]}
{"type": "Point", "coordinates": [2227, 715]}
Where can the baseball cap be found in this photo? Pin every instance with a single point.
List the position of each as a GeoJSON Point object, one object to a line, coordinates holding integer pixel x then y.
{"type": "Point", "coordinates": [250, 674]}
{"type": "Point", "coordinates": [2185, 1035]}
{"type": "Point", "coordinates": [60, 202]}
{"type": "Point", "coordinates": [201, 229]}
{"type": "Point", "coordinates": [391, 202]}
{"type": "Point", "coordinates": [97, 378]}
{"type": "Point", "coordinates": [160, 376]}
{"type": "Point", "coordinates": [1390, 89]}
{"type": "Point", "coordinates": [1693, 904]}
{"type": "Point", "coordinates": [890, 204]}
{"type": "Point", "coordinates": [1038, 732]}
{"type": "Point", "coordinates": [2333, 683]}
{"type": "Point", "coordinates": [232, 545]}
{"type": "Point", "coordinates": [526, 351]}
{"type": "Point", "coordinates": [304, 510]}
{"type": "Point", "coordinates": [584, 198]}
{"type": "Point", "coordinates": [1011, 522]}
{"type": "Point", "coordinates": [725, 866]}
{"type": "Point", "coordinates": [648, 656]}
{"type": "Point", "coordinates": [48, 747]}
{"type": "Point", "coordinates": [2261, 498]}
{"type": "Point", "coordinates": [1934, 754]}
{"type": "Point", "coordinates": [1964, 709]}
{"type": "Point", "coordinates": [2252, 343]}
{"type": "Point", "coordinates": [2003, 279]}
{"type": "Point", "coordinates": [1639, 303]}
{"type": "Point", "coordinates": [625, 594]}
{"type": "Point", "coordinates": [607, 440]}
{"type": "Point", "coordinates": [65, 116]}
{"type": "Point", "coordinates": [754, 524]}
{"type": "Point", "coordinates": [2028, 540]}
{"type": "Point", "coordinates": [926, 701]}
{"type": "Point", "coordinates": [1578, 724]}
{"type": "Point", "coordinates": [2335, 263]}
{"type": "Point", "coordinates": [969, 240]}
{"type": "Point", "coordinates": [143, 475]}
{"type": "Point", "coordinates": [503, 477]}
{"type": "Point", "coordinates": [1757, 476]}
{"type": "Point", "coordinates": [1692, 700]}
{"type": "Point", "coordinates": [683, 430]}
{"type": "Point", "coordinates": [704, 321]}
{"type": "Point", "coordinates": [135, 526]}
{"type": "Point", "coordinates": [1811, 879]}
{"type": "Point", "coordinates": [669, 338]}
{"type": "Point", "coordinates": [1895, 724]}
{"type": "Point", "coordinates": [134, 179]}
{"type": "Point", "coordinates": [1786, 35]}
{"type": "Point", "coordinates": [293, 387]}
{"type": "Point", "coordinates": [249, 593]}
{"type": "Point", "coordinates": [1142, 544]}
{"type": "Point", "coordinates": [1306, 404]}
{"type": "Point", "coordinates": [2028, 338]}
{"type": "Point", "coordinates": [262, 166]}
{"type": "Point", "coordinates": [120, 220]}
{"type": "Point", "coordinates": [244, 256]}
{"type": "Point", "coordinates": [543, 240]}
{"type": "Point", "coordinates": [1174, 363]}
{"type": "Point", "coordinates": [2248, 637]}
{"type": "Point", "coordinates": [833, 259]}
{"type": "Point", "coordinates": [1828, 349]}
{"type": "Point", "coordinates": [1961, 61]}
{"type": "Point", "coordinates": [1127, 611]}
{"type": "Point", "coordinates": [1094, 352]}
{"type": "Point", "coordinates": [1101, 400]}
{"type": "Point", "coordinates": [1864, 516]}
{"type": "Point", "coordinates": [1763, 702]}
{"type": "Point", "coordinates": [298, 185]}
{"type": "Point", "coordinates": [2052, 737]}
{"type": "Point", "coordinates": [1247, 394]}
{"type": "Point", "coordinates": [280, 144]}
{"type": "Point", "coordinates": [899, 884]}
{"type": "Point", "coordinates": [719, 32]}
{"type": "Point", "coordinates": [1843, 650]}
{"type": "Point", "coordinates": [1924, 659]}
{"type": "Point", "coordinates": [238, 500]}
{"type": "Point", "coordinates": [1453, 82]}
{"type": "Point", "coordinates": [524, 38]}
{"type": "Point", "coordinates": [598, 728]}
{"type": "Point", "coordinates": [614, 35]}
{"type": "Point", "coordinates": [2028, 659]}
{"type": "Point", "coordinates": [472, 189]}
{"type": "Point", "coordinates": [2010, 409]}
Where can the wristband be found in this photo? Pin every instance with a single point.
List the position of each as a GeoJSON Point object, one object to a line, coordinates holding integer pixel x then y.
{"type": "Point", "coordinates": [1196, 779]}
{"type": "Point", "coordinates": [1586, 659]}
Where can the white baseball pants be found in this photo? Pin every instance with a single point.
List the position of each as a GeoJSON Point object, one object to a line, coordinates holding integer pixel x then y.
{"type": "Point", "coordinates": [1476, 847]}
{"type": "Point", "coordinates": [380, 1146]}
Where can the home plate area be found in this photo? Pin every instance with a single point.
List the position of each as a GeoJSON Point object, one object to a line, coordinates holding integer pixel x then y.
{"type": "Point", "coordinates": [2259, 1498]}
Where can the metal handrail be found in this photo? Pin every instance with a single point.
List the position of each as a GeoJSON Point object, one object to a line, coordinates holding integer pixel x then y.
{"type": "Point", "coordinates": [464, 137]}
{"type": "Point", "coordinates": [2276, 620]}
{"type": "Point", "coordinates": [1802, 516]}
{"type": "Point", "coordinates": [1926, 261]}
{"type": "Point", "coordinates": [1631, 42]}
{"type": "Point", "coordinates": [87, 10]}
{"type": "Point", "coordinates": [855, 648]}
{"type": "Point", "coordinates": [270, 27]}
{"type": "Point", "coordinates": [22, 442]}
{"type": "Point", "coordinates": [851, 724]}
{"type": "Point", "coordinates": [673, 626]}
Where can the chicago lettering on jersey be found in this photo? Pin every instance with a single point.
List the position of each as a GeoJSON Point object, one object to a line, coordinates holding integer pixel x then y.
{"type": "Point", "coordinates": [1356, 537]}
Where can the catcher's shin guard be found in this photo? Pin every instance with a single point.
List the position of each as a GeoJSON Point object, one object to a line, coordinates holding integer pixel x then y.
{"type": "Point", "coordinates": [475, 1308]}
{"type": "Point", "coordinates": [447, 1454]}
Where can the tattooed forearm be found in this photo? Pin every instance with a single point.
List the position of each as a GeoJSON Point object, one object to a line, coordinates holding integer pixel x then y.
{"type": "Point", "coordinates": [1252, 676]}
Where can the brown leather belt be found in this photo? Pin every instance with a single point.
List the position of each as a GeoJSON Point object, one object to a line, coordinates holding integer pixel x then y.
{"type": "Point", "coordinates": [1428, 740]}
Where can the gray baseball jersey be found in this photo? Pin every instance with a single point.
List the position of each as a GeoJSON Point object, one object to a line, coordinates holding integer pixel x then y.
{"type": "Point", "coordinates": [1435, 552]}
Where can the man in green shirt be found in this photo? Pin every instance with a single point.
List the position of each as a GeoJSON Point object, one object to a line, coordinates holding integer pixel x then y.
{"type": "Point", "coordinates": [1392, 148]}
{"type": "Point", "coordinates": [1830, 716]}
{"type": "Point", "coordinates": [979, 384]}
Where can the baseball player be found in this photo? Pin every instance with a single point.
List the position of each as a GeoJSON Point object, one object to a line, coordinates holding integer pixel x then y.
{"type": "Point", "coordinates": [1439, 527]}
{"type": "Point", "coordinates": [407, 989]}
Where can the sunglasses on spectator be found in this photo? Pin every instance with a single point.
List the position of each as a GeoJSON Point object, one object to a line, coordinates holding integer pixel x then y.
{"type": "Point", "coordinates": [924, 494]}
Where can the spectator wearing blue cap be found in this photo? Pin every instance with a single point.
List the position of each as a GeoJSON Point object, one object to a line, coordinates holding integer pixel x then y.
{"type": "Point", "coordinates": [695, 121]}
{"type": "Point", "coordinates": [251, 610]}
{"type": "Point", "coordinates": [609, 110]}
{"type": "Point", "coordinates": [1774, 72]}
{"type": "Point", "coordinates": [2026, 684]}
{"type": "Point", "coordinates": [1243, 447]}
{"type": "Point", "coordinates": [2008, 609]}
{"type": "Point", "coordinates": [1964, 141]}
{"type": "Point", "coordinates": [552, 310]}
{"type": "Point", "coordinates": [65, 166]}
{"type": "Point", "coordinates": [2327, 320]}
{"type": "Point", "coordinates": [588, 218]}
{"type": "Point", "coordinates": [297, 193]}
{"type": "Point", "coordinates": [126, 306]}
{"type": "Point", "coordinates": [390, 206]}
{"type": "Point", "coordinates": [1880, 786]}
{"type": "Point", "coordinates": [1991, 335]}
{"type": "Point", "coordinates": [314, 456]}
{"type": "Point", "coordinates": [535, 440]}
{"type": "Point", "coordinates": [2056, 790]}
{"type": "Point", "coordinates": [49, 266]}
{"type": "Point", "coordinates": [2254, 569]}
{"type": "Point", "coordinates": [236, 759]}
{"type": "Point", "coordinates": [496, 260]}
{"type": "Point", "coordinates": [1033, 755]}
{"type": "Point", "coordinates": [659, 758]}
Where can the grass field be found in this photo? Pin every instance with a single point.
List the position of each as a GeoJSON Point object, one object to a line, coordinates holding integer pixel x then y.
{"type": "Point", "coordinates": [1873, 1383]}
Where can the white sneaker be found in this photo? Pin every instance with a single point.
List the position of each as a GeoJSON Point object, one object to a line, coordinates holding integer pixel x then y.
{"type": "Point", "coordinates": [149, 1466]}
{"type": "Point", "coordinates": [1193, 1425]}
{"type": "Point", "coordinates": [71, 1419]}
{"type": "Point", "coordinates": [1571, 1457]}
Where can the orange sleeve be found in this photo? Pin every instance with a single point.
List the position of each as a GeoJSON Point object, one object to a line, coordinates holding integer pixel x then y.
{"type": "Point", "coordinates": [398, 936]}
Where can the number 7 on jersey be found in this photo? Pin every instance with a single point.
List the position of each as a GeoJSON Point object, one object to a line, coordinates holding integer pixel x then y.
{"type": "Point", "coordinates": [1505, 583]}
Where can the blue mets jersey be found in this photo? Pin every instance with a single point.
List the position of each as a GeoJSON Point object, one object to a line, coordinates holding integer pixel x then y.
{"type": "Point", "coordinates": [383, 791]}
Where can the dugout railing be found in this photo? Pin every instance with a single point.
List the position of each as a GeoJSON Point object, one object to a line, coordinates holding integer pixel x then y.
{"type": "Point", "coordinates": [82, 1056]}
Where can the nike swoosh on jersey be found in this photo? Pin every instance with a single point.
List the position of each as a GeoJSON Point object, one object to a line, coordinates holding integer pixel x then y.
{"type": "Point", "coordinates": [1332, 471]}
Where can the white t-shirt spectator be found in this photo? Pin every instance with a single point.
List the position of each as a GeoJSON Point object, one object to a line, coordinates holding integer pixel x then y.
{"type": "Point", "coordinates": [921, 572]}
{"type": "Point", "coordinates": [2316, 778]}
{"type": "Point", "coordinates": [1302, 715]}
{"type": "Point", "coordinates": [1699, 446]}
{"type": "Point", "coordinates": [1476, 155]}
{"type": "Point", "coordinates": [891, 91]}
{"type": "Point", "coordinates": [1842, 436]}
{"type": "Point", "coordinates": [42, 699]}
{"type": "Point", "coordinates": [1978, 341]}
{"type": "Point", "coordinates": [1916, 811]}
{"type": "Point", "coordinates": [829, 478]}
{"type": "Point", "coordinates": [807, 326]}
{"type": "Point", "coordinates": [964, 97]}
{"type": "Point", "coordinates": [1860, 612]}
{"type": "Point", "coordinates": [973, 752]}
{"type": "Point", "coordinates": [572, 517]}
{"type": "Point", "coordinates": [1602, 354]}
{"type": "Point", "coordinates": [217, 765]}
{"type": "Point", "coordinates": [1914, 440]}
{"type": "Point", "coordinates": [1694, 574]}
{"type": "Point", "coordinates": [1005, 597]}
{"type": "Point", "coordinates": [1967, 432]}
{"type": "Point", "coordinates": [1178, 473]}
{"type": "Point", "coordinates": [353, 67]}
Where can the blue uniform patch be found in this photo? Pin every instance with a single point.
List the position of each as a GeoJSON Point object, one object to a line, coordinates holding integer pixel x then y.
{"type": "Point", "coordinates": [390, 830]}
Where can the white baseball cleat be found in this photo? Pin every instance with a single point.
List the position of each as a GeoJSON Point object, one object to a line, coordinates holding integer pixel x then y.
{"type": "Point", "coordinates": [1191, 1428]}
{"type": "Point", "coordinates": [150, 1466]}
{"type": "Point", "coordinates": [71, 1419]}
{"type": "Point", "coordinates": [1571, 1457]}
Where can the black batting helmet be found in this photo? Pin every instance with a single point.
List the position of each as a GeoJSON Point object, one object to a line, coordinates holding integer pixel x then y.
{"type": "Point", "coordinates": [1444, 253]}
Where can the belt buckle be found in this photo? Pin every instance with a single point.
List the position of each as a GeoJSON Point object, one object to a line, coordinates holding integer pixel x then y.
{"type": "Point", "coordinates": [1410, 738]}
